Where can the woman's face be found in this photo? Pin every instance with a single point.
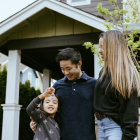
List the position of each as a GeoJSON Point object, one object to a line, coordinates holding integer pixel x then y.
{"type": "Point", "coordinates": [101, 48]}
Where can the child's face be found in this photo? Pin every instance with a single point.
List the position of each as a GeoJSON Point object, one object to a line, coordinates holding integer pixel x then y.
{"type": "Point", "coordinates": [50, 105]}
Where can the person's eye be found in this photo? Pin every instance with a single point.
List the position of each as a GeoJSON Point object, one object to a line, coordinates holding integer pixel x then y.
{"type": "Point", "coordinates": [54, 102]}
{"type": "Point", "coordinates": [47, 102]}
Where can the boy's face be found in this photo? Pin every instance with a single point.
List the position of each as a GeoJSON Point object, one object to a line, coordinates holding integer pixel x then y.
{"type": "Point", "coordinates": [71, 71]}
{"type": "Point", "coordinates": [50, 105]}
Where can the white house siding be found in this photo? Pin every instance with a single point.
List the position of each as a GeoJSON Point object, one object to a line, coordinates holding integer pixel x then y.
{"type": "Point", "coordinates": [130, 9]}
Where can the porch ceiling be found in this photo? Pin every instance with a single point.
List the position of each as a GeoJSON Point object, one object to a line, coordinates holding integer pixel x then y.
{"type": "Point", "coordinates": [40, 53]}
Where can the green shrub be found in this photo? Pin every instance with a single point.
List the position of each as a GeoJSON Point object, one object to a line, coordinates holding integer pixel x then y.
{"type": "Point", "coordinates": [26, 95]}
{"type": "Point", "coordinates": [3, 76]}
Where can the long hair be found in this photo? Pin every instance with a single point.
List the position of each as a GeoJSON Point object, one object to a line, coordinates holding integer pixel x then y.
{"type": "Point", "coordinates": [119, 65]}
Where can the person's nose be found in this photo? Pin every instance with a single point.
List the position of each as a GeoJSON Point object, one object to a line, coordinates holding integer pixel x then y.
{"type": "Point", "coordinates": [66, 72]}
{"type": "Point", "coordinates": [51, 103]}
{"type": "Point", "coordinates": [100, 50]}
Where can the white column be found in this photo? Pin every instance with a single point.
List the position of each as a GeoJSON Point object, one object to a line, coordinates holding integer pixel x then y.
{"type": "Point", "coordinates": [96, 65]}
{"type": "Point", "coordinates": [46, 79]}
{"type": "Point", "coordinates": [11, 109]}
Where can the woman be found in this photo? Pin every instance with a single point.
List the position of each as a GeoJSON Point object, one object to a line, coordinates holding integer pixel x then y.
{"type": "Point", "coordinates": [117, 89]}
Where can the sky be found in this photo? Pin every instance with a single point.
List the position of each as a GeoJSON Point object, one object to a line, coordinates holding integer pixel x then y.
{"type": "Point", "coordinates": [10, 7]}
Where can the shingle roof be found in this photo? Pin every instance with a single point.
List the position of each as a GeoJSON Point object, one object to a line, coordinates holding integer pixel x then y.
{"type": "Point", "coordinates": [22, 67]}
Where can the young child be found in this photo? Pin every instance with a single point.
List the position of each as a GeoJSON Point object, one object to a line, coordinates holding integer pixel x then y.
{"type": "Point", "coordinates": [47, 128]}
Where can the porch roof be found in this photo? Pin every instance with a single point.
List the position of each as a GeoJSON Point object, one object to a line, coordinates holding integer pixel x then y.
{"type": "Point", "coordinates": [40, 53]}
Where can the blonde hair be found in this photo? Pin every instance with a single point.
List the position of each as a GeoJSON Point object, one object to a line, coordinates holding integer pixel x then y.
{"type": "Point", "coordinates": [119, 65]}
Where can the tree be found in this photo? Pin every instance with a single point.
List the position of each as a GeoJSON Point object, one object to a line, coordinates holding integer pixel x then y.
{"type": "Point", "coordinates": [26, 95]}
{"type": "Point", "coordinates": [120, 19]}
{"type": "Point", "coordinates": [3, 75]}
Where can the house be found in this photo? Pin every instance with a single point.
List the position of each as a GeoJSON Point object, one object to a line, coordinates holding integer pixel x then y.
{"type": "Point", "coordinates": [35, 34]}
{"type": "Point", "coordinates": [33, 76]}
{"type": "Point", "coordinates": [26, 73]}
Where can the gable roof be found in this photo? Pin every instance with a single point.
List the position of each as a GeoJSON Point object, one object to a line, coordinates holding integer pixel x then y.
{"type": "Point", "coordinates": [23, 68]}
{"type": "Point", "coordinates": [78, 7]}
{"type": "Point", "coordinates": [57, 6]}
{"type": "Point", "coordinates": [3, 58]}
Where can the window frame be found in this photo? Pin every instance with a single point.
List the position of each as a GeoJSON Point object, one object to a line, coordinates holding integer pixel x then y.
{"type": "Point", "coordinates": [86, 2]}
{"type": "Point", "coordinates": [37, 81]}
{"type": "Point", "coordinates": [30, 77]}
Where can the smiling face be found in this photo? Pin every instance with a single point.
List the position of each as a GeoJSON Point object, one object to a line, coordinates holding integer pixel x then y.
{"type": "Point", "coordinates": [50, 105]}
{"type": "Point", "coordinates": [101, 49]}
{"type": "Point", "coordinates": [71, 71]}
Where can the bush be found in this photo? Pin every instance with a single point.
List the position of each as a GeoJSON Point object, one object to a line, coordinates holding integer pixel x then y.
{"type": "Point", "coordinates": [3, 76]}
{"type": "Point", "coordinates": [26, 95]}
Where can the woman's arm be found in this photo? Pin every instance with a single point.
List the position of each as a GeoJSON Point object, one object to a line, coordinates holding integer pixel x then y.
{"type": "Point", "coordinates": [129, 116]}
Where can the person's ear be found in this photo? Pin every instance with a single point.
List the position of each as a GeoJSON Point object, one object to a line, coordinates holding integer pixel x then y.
{"type": "Point", "coordinates": [79, 64]}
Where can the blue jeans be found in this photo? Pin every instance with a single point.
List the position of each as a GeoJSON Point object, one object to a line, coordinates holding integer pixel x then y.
{"type": "Point", "coordinates": [108, 129]}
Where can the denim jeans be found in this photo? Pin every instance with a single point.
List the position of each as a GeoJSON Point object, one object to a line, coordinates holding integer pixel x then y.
{"type": "Point", "coordinates": [108, 129]}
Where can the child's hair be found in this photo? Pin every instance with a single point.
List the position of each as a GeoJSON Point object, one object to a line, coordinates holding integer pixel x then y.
{"type": "Point", "coordinates": [57, 115]}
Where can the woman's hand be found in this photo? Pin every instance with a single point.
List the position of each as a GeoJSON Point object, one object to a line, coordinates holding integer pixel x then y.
{"type": "Point", "coordinates": [48, 92]}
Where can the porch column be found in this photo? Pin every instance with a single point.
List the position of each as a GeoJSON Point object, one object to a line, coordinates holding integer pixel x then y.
{"type": "Point", "coordinates": [11, 109]}
{"type": "Point", "coordinates": [96, 65]}
{"type": "Point", "coordinates": [46, 79]}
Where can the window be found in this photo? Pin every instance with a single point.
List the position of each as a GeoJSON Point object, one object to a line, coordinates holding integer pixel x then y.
{"type": "Point", "coordinates": [37, 82]}
{"type": "Point", "coordinates": [78, 2]}
{"type": "Point", "coordinates": [30, 77]}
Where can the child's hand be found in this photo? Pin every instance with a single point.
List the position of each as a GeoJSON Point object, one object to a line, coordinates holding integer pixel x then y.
{"type": "Point", "coordinates": [48, 92]}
